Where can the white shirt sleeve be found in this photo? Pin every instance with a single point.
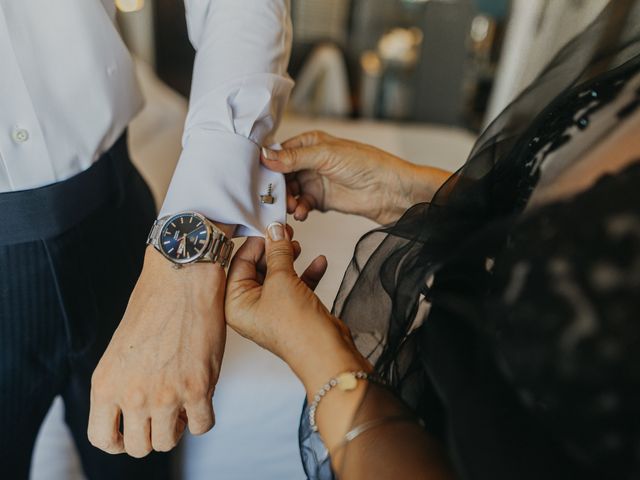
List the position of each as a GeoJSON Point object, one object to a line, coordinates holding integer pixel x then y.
{"type": "Point", "coordinates": [239, 91]}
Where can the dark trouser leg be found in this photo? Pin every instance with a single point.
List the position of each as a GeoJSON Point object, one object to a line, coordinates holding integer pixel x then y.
{"type": "Point", "coordinates": [97, 266]}
{"type": "Point", "coordinates": [60, 301]}
{"type": "Point", "coordinates": [32, 345]}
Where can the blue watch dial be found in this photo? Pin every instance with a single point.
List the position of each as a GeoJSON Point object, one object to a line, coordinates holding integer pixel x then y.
{"type": "Point", "coordinates": [184, 237]}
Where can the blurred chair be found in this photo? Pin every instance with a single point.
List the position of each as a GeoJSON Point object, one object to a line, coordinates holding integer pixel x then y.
{"type": "Point", "coordinates": [322, 86]}
{"type": "Point", "coordinates": [317, 23]}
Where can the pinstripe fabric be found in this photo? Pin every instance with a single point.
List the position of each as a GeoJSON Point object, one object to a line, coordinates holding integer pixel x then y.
{"type": "Point", "coordinates": [31, 342]}
{"type": "Point", "coordinates": [60, 301]}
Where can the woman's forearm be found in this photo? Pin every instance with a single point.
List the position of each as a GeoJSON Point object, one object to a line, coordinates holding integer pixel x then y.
{"type": "Point", "coordinates": [395, 447]}
{"type": "Point", "coordinates": [410, 184]}
{"type": "Point", "coordinates": [425, 183]}
{"type": "Point", "coordinates": [392, 444]}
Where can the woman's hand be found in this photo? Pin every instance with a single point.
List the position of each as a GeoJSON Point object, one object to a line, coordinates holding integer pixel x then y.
{"type": "Point", "coordinates": [328, 173]}
{"type": "Point", "coordinates": [271, 305]}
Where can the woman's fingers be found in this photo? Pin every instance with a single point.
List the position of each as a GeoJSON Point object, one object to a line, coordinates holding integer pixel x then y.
{"type": "Point", "coordinates": [290, 231]}
{"type": "Point", "coordinates": [293, 190]}
{"type": "Point", "coordinates": [314, 272]}
{"type": "Point", "coordinates": [280, 254]}
{"type": "Point", "coordinates": [294, 159]}
{"type": "Point", "coordinates": [304, 151]}
{"type": "Point", "coordinates": [306, 139]}
{"type": "Point", "coordinates": [278, 250]}
{"type": "Point", "coordinates": [262, 263]}
{"type": "Point", "coordinates": [243, 265]}
{"type": "Point", "coordinates": [306, 203]}
{"type": "Point", "coordinates": [293, 184]}
{"type": "Point", "coordinates": [292, 203]}
{"type": "Point", "coordinates": [297, 249]}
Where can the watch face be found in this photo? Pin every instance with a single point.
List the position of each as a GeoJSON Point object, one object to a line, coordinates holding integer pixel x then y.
{"type": "Point", "coordinates": [184, 237]}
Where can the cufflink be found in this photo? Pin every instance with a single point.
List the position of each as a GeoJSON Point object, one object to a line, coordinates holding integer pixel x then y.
{"type": "Point", "coordinates": [268, 197]}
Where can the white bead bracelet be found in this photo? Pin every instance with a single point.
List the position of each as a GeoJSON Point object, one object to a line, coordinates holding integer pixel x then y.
{"type": "Point", "coordinates": [345, 382]}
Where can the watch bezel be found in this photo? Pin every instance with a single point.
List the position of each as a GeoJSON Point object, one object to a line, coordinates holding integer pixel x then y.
{"type": "Point", "coordinates": [205, 249]}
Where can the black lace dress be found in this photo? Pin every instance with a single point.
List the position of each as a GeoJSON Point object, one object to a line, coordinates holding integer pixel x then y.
{"type": "Point", "coordinates": [514, 332]}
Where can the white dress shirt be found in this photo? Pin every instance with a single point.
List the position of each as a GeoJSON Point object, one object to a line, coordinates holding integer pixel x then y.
{"type": "Point", "coordinates": [68, 90]}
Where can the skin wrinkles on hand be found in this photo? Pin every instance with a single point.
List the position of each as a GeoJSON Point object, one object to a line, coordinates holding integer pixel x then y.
{"type": "Point", "coordinates": [163, 361]}
{"type": "Point", "coordinates": [328, 173]}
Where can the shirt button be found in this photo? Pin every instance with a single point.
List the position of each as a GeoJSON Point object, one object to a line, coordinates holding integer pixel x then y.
{"type": "Point", "coordinates": [20, 135]}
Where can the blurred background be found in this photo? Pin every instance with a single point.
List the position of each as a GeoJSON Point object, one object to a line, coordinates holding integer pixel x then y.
{"type": "Point", "coordinates": [418, 78]}
{"type": "Point", "coordinates": [451, 62]}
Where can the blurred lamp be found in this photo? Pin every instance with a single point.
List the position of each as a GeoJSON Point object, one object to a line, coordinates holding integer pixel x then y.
{"type": "Point", "coordinates": [129, 5]}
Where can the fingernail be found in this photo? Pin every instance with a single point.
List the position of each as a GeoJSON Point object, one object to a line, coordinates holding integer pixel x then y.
{"type": "Point", "coordinates": [269, 154]}
{"type": "Point", "coordinates": [276, 231]}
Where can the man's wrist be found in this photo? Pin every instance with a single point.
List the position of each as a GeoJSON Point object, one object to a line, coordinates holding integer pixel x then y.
{"type": "Point", "coordinates": [156, 264]}
{"type": "Point", "coordinates": [228, 230]}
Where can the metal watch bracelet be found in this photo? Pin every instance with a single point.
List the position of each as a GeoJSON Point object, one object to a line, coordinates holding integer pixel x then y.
{"type": "Point", "coordinates": [220, 246]}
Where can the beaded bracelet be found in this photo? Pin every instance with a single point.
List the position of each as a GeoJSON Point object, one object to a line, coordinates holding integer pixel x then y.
{"type": "Point", "coordinates": [345, 382]}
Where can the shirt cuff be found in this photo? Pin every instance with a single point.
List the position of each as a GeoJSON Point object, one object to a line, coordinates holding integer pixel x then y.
{"type": "Point", "coordinates": [220, 176]}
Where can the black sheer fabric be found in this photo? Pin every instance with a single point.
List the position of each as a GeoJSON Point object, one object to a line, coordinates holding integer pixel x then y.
{"type": "Point", "coordinates": [430, 300]}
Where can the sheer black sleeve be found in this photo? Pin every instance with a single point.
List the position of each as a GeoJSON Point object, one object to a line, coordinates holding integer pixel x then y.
{"type": "Point", "coordinates": [567, 323]}
{"type": "Point", "coordinates": [528, 370]}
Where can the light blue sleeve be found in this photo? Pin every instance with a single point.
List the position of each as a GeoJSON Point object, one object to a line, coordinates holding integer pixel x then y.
{"type": "Point", "coordinates": [239, 92]}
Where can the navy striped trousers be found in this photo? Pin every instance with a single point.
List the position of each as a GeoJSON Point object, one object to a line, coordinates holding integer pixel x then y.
{"type": "Point", "coordinates": [70, 255]}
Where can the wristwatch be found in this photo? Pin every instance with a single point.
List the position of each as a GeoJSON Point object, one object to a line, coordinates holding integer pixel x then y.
{"type": "Point", "coordinates": [189, 237]}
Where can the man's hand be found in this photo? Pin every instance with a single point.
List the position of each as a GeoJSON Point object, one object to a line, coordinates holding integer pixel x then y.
{"type": "Point", "coordinates": [162, 364]}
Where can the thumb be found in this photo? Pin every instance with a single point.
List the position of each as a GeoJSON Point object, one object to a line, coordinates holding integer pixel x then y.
{"type": "Point", "coordinates": [278, 250]}
{"type": "Point", "coordinates": [293, 159]}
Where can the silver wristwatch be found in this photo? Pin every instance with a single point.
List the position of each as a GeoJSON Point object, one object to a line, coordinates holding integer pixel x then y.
{"type": "Point", "coordinates": [189, 237]}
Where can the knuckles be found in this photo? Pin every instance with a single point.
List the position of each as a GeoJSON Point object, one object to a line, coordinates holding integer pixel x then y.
{"type": "Point", "coordinates": [318, 136]}
{"type": "Point", "coordinates": [196, 389]}
{"type": "Point", "coordinates": [289, 158]}
{"type": "Point", "coordinates": [101, 388]}
{"type": "Point", "coordinates": [134, 399]}
{"type": "Point", "coordinates": [143, 396]}
{"type": "Point", "coordinates": [166, 398]}
{"type": "Point", "coordinates": [280, 250]}
{"type": "Point", "coordinates": [140, 397]}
